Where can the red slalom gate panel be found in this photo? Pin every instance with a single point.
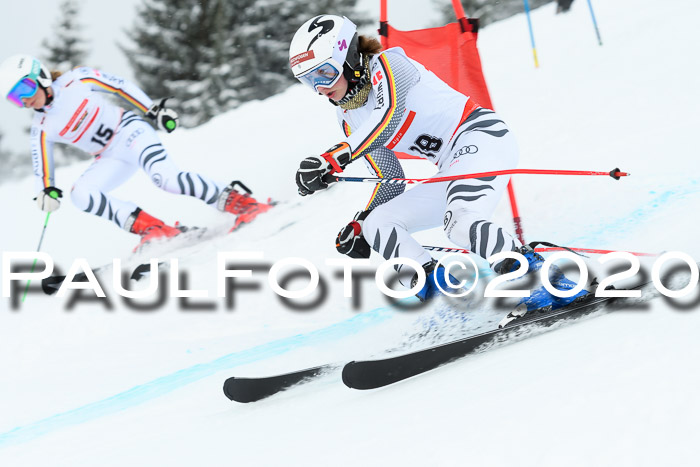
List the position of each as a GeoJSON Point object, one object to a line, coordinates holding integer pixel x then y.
{"type": "Point", "coordinates": [450, 52]}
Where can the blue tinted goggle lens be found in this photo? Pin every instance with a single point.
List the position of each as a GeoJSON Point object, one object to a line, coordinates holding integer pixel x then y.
{"type": "Point", "coordinates": [324, 75]}
{"type": "Point", "coordinates": [26, 87]}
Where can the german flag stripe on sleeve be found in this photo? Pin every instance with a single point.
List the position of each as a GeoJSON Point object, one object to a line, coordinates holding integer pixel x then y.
{"type": "Point", "coordinates": [374, 165]}
{"type": "Point", "coordinates": [117, 91]}
{"type": "Point", "coordinates": [378, 172]}
{"type": "Point", "coordinates": [346, 128]}
{"type": "Point", "coordinates": [374, 195]}
{"type": "Point", "coordinates": [45, 167]}
{"type": "Point", "coordinates": [391, 107]}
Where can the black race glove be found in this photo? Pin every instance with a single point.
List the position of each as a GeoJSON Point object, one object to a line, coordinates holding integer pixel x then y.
{"type": "Point", "coordinates": [166, 119]}
{"type": "Point", "coordinates": [350, 240]}
{"type": "Point", "coordinates": [310, 175]}
{"type": "Point", "coordinates": [48, 199]}
{"type": "Point", "coordinates": [313, 172]}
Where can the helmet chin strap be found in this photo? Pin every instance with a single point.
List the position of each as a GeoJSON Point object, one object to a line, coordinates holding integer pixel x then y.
{"type": "Point", "coordinates": [49, 95]}
{"type": "Point", "coordinates": [358, 90]}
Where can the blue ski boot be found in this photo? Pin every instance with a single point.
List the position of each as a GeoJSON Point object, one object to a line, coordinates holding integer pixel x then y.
{"type": "Point", "coordinates": [540, 300]}
{"type": "Point", "coordinates": [433, 277]}
{"type": "Point", "coordinates": [559, 281]}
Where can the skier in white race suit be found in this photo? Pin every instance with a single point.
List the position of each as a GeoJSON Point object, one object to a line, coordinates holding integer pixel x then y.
{"type": "Point", "coordinates": [388, 102]}
{"type": "Point", "coordinates": [70, 108]}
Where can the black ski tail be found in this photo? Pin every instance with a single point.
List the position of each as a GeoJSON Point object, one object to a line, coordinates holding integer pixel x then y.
{"type": "Point", "coordinates": [254, 389]}
{"type": "Point", "coordinates": [51, 284]}
{"type": "Point", "coordinates": [371, 374]}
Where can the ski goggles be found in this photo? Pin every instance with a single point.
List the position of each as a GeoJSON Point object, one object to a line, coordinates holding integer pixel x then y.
{"type": "Point", "coordinates": [26, 87]}
{"type": "Point", "coordinates": [324, 75]}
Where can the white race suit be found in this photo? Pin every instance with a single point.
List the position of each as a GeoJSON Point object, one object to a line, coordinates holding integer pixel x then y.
{"type": "Point", "coordinates": [411, 110]}
{"type": "Point", "coordinates": [79, 115]}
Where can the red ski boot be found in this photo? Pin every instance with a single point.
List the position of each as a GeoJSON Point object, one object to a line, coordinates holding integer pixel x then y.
{"type": "Point", "coordinates": [242, 205]}
{"type": "Point", "coordinates": [149, 228]}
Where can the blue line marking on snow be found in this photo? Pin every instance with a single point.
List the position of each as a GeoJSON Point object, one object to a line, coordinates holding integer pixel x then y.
{"type": "Point", "coordinates": [600, 234]}
{"type": "Point", "coordinates": [168, 383]}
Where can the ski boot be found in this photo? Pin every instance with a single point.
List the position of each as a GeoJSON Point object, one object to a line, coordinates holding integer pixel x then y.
{"type": "Point", "coordinates": [559, 281]}
{"type": "Point", "coordinates": [433, 277]}
{"type": "Point", "coordinates": [242, 205]}
{"type": "Point", "coordinates": [149, 228]}
{"type": "Point", "coordinates": [540, 300]}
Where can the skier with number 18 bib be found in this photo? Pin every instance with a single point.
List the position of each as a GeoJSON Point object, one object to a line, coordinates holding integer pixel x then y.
{"type": "Point", "coordinates": [388, 102]}
{"type": "Point", "coordinates": [70, 108]}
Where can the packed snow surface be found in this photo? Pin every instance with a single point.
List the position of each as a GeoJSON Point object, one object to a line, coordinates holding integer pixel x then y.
{"type": "Point", "coordinates": [98, 382]}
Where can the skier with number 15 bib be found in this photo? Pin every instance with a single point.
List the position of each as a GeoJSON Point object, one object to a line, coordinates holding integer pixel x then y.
{"type": "Point", "coordinates": [389, 102]}
{"type": "Point", "coordinates": [70, 108]}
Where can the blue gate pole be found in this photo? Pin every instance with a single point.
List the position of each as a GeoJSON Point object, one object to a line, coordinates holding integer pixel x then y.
{"type": "Point", "coordinates": [532, 35]}
{"type": "Point", "coordinates": [595, 23]}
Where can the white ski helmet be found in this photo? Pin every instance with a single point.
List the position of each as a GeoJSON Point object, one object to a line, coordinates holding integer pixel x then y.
{"type": "Point", "coordinates": [323, 49]}
{"type": "Point", "coordinates": [20, 76]}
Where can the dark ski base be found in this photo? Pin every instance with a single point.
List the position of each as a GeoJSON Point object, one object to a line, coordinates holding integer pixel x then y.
{"type": "Point", "coordinates": [51, 284]}
{"type": "Point", "coordinates": [371, 374]}
{"type": "Point", "coordinates": [255, 389]}
{"type": "Point", "coordinates": [193, 235]}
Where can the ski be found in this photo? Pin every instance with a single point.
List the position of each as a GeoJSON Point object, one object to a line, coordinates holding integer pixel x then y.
{"type": "Point", "coordinates": [254, 389]}
{"type": "Point", "coordinates": [51, 284]}
{"type": "Point", "coordinates": [372, 374]}
{"type": "Point", "coordinates": [193, 236]}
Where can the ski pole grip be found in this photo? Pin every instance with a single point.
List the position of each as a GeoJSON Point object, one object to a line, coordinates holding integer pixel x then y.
{"type": "Point", "coordinates": [240, 184]}
{"type": "Point", "coordinates": [162, 102]}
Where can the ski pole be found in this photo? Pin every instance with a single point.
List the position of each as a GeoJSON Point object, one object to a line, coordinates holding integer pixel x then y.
{"type": "Point", "coordinates": [540, 250]}
{"type": "Point", "coordinates": [517, 220]}
{"type": "Point", "coordinates": [615, 173]}
{"type": "Point", "coordinates": [595, 251]}
{"type": "Point", "coordinates": [38, 248]}
{"type": "Point", "coordinates": [532, 34]}
{"type": "Point", "coordinates": [595, 23]}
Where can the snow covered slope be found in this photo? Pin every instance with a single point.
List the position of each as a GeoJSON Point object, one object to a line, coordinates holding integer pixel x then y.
{"type": "Point", "coordinates": [100, 383]}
